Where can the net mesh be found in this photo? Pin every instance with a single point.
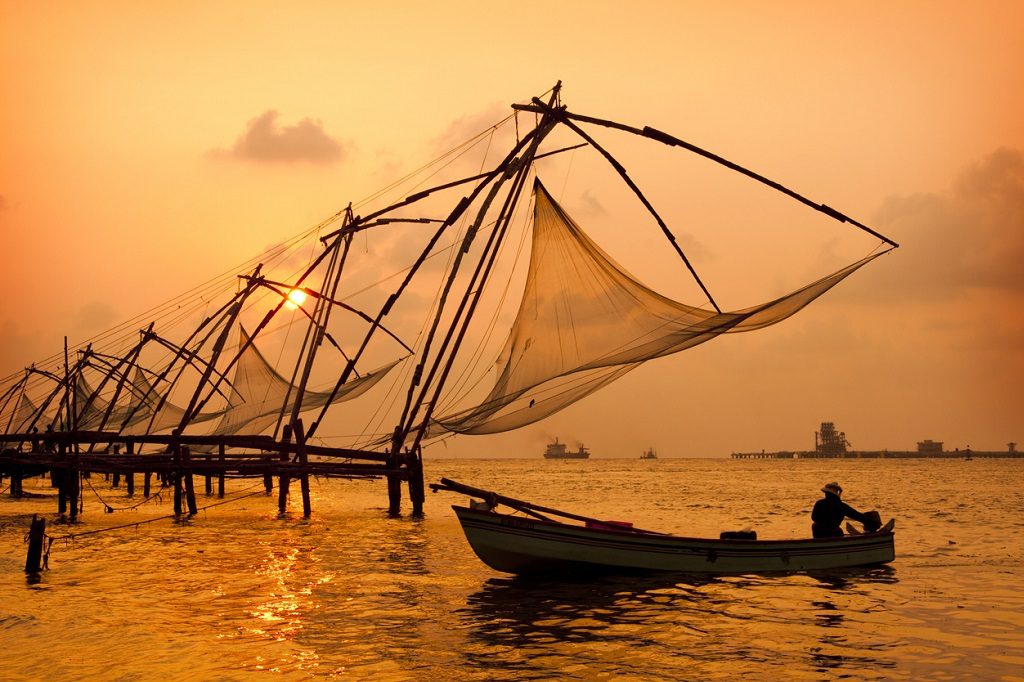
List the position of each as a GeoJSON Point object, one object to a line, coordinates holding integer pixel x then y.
{"type": "Point", "coordinates": [585, 321]}
{"type": "Point", "coordinates": [259, 394]}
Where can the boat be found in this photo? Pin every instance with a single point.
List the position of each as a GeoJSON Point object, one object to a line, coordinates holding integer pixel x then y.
{"type": "Point", "coordinates": [649, 454]}
{"type": "Point", "coordinates": [532, 543]}
{"type": "Point", "coordinates": [556, 450]}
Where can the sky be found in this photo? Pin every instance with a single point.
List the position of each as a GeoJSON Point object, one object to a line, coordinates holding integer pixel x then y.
{"type": "Point", "coordinates": [147, 147]}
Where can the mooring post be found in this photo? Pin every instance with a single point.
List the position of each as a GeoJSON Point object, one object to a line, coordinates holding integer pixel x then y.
{"type": "Point", "coordinates": [394, 482]}
{"type": "Point", "coordinates": [414, 463]}
{"type": "Point", "coordinates": [176, 473]}
{"type": "Point", "coordinates": [220, 476]}
{"type": "Point", "coordinates": [283, 482]}
{"type": "Point", "coordinates": [72, 482]}
{"type": "Point", "coordinates": [73, 494]}
{"type": "Point", "coordinates": [190, 491]}
{"type": "Point", "coordinates": [36, 535]}
{"type": "Point", "coordinates": [129, 477]}
{"type": "Point", "coordinates": [300, 442]}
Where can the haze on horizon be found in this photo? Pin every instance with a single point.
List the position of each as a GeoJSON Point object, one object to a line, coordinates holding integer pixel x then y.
{"type": "Point", "coordinates": [146, 149]}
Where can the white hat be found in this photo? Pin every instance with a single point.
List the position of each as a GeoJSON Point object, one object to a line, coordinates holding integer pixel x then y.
{"type": "Point", "coordinates": [833, 488]}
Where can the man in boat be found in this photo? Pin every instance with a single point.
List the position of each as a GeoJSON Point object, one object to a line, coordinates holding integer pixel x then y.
{"type": "Point", "coordinates": [829, 512]}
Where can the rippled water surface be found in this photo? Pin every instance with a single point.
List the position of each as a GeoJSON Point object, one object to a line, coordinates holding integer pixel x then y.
{"type": "Point", "coordinates": [238, 593]}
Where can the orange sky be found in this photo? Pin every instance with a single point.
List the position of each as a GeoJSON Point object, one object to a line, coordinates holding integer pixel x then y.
{"type": "Point", "coordinates": [140, 155]}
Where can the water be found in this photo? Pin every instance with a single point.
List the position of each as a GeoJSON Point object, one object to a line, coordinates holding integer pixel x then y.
{"type": "Point", "coordinates": [240, 594]}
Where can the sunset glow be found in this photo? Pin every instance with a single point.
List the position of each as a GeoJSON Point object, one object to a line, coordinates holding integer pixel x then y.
{"type": "Point", "coordinates": [295, 299]}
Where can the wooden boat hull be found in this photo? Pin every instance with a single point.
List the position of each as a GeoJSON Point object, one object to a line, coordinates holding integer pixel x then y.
{"type": "Point", "coordinates": [514, 544]}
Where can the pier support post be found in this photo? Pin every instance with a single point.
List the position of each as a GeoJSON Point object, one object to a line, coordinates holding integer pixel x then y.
{"type": "Point", "coordinates": [220, 476]}
{"type": "Point", "coordinates": [416, 487]}
{"type": "Point", "coordinates": [36, 535]}
{"type": "Point", "coordinates": [300, 441]}
{"type": "Point", "coordinates": [147, 478]}
{"type": "Point", "coordinates": [129, 477]}
{"type": "Point", "coordinates": [190, 491]}
{"type": "Point", "coordinates": [283, 482]}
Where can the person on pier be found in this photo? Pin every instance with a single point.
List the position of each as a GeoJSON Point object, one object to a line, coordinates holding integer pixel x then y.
{"type": "Point", "coordinates": [829, 512]}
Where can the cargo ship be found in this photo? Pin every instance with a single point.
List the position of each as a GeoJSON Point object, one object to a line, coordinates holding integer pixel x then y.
{"type": "Point", "coordinates": [558, 450]}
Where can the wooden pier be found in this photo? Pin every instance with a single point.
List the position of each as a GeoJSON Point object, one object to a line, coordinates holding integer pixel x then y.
{"type": "Point", "coordinates": [175, 461]}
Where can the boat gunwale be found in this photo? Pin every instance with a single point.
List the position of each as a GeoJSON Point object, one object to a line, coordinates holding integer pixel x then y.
{"type": "Point", "coordinates": [670, 538]}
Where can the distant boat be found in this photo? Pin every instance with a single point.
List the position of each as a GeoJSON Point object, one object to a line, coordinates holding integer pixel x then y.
{"type": "Point", "coordinates": [649, 454]}
{"type": "Point", "coordinates": [558, 450]}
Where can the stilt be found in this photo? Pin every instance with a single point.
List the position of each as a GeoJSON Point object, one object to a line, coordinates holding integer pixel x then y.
{"type": "Point", "coordinates": [73, 494]}
{"type": "Point", "coordinates": [146, 479]}
{"type": "Point", "coordinates": [177, 493]}
{"type": "Point", "coordinates": [15, 483]}
{"type": "Point", "coordinates": [209, 484]}
{"type": "Point", "coordinates": [300, 441]}
{"type": "Point", "coordinates": [129, 477]}
{"type": "Point", "coordinates": [268, 483]}
{"type": "Point", "coordinates": [220, 476]}
{"type": "Point", "coordinates": [190, 491]}
{"type": "Point", "coordinates": [36, 535]}
{"type": "Point", "coordinates": [416, 488]}
{"type": "Point", "coordinates": [283, 481]}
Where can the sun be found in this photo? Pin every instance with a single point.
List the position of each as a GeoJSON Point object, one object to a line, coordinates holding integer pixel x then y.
{"type": "Point", "coordinates": [296, 297]}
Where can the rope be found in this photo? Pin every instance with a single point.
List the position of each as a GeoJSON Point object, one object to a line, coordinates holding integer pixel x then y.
{"type": "Point", "coordinates": [74, 536]}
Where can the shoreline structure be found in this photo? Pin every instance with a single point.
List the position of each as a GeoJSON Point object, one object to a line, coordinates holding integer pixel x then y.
{"type": "Point", "coordinates": [832, 444]}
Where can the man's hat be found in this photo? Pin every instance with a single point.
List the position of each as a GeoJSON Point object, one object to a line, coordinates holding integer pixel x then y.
{"type": "Point", "coordinates": [832, 488]}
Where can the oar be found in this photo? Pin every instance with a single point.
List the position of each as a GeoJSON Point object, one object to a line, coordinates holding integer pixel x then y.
{"type": "Point", "coordinates": [527, 507]}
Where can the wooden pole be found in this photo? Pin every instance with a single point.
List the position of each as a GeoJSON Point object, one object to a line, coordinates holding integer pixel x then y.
{"type": "Point", "coordinates": [416, 489]}
{"type": "Point", "coordinates": [129, 477]}
{"type": "Point", "coordinates": [300, 441]}
{"type": "Point", "coordinates": [176, 475]}
{"type": "Point", "coordinates": [36, 535]}
{"type": "Point", "coordinates": [190, 491]}
{"type": "Point", "coordinates": [283, 482]}
{"type": "Point", "coordinates": [220, 476]}
{"type": "Point", "coordinates": [146, 479]}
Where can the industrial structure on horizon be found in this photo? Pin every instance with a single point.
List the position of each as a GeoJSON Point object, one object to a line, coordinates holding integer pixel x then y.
{"type": "Point", "coordinates": [830, 443]}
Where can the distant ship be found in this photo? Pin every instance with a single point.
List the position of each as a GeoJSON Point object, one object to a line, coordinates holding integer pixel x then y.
{"type": "Point", "coordinates": [558, 450]}
{"type": "Point", "coordinates": [649, 454]}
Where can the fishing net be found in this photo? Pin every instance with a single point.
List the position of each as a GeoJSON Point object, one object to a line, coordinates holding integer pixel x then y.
{"type": "Point", "coordinates": [584, 322]}
{"type": "Point", "coordinates": [259, 395]}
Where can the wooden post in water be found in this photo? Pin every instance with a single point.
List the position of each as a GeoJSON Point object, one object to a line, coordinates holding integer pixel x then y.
{"type": "Point", "coordinates": [283, 481]}
{"type": "Point", "coordinates": [300, 441]}
{"type": "Point", "coordinates": [190, 491]}
{"type": "Point", "coordinates": [394, 482]}
{"type": "Point", "coordinates": [74, 497]}
{"type": "Point", "coordinates": [220, 476]}
{"type": "Point", "coordinates": [416, 487]}
{"type": "Point", "coordinates": [129, 477]}
{"type": "Point", "coordinates": [146, 478]}
{"type": "Point", "coordinates": [36, 535]}
{"type": "Point", "coordinates": [176, 473]}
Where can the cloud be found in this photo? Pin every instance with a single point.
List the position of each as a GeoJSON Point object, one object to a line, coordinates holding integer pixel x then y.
{"type": "Point", "coordinates": [93, 317]}
{"type": "Point", "coordinates": [967, 239]}
{"type": "Point", "coordinates": [467, 127]}
{"type": "Point", "coordinates": [266, 141]}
